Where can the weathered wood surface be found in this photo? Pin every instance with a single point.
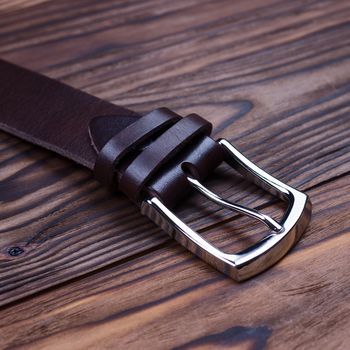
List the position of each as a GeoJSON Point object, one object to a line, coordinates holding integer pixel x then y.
{"type": "Point", "coordinates": [273, 77]}
{"type": "Point", "coordinates": [168, 298]}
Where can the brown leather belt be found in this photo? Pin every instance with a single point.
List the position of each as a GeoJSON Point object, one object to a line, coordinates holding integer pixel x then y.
{"type": "Point", "coordinates": [154, 159]}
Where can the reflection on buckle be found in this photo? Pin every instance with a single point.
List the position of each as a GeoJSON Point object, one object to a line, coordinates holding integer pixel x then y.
{"type": "Point", "coordinates": [261, 255]}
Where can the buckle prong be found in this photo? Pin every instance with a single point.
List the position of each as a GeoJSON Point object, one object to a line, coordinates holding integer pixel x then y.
{"type": "Point", "coordinates": [261, 255]}
{"type": "Point", "coordinates": [265, 219]}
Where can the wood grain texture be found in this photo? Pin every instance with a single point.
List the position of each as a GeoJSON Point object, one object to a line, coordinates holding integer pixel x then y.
{"type": "Point", "coordinates": [273, 77]}
{"type": "Point", "coordinates": [170, 299]}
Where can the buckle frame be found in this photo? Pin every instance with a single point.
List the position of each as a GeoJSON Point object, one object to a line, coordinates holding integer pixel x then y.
{"type": "Point", "coordinates": [261, 255]}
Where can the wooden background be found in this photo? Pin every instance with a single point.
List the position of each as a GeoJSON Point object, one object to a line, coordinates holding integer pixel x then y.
{"type": "Point", "coordinates": [82, 269]}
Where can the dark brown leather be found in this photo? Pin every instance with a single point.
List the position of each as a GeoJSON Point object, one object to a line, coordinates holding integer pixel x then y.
{"type": "Point", "coordinates": [53, 115]}
{"type": "Point", "coordinates": [127, 141]}
{"type": "Point", "coordinates": [171, 186]}
{"type": "Point", "coordinates": [159, 153]}
{"type": "Point", "coordinates": [148, 153]}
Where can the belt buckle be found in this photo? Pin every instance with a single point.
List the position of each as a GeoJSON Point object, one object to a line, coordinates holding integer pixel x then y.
{"type": "Point", "coordinates": [261, 255]}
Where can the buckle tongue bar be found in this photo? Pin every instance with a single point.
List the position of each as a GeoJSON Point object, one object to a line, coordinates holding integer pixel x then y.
{"type": "Point", "coordinates": [261, 255]}
{"type": "Point", "coordinates": [269, 222]}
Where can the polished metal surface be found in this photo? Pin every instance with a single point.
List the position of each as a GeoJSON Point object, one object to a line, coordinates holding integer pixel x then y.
{"type": "Point", "coordinates": [269, 222]}
{"type": "Point", "coordinates": [261, 255]}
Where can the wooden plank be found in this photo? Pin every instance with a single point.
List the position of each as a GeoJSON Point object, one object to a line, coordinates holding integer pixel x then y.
{"type": "Point", "coordinates": [272, 77]}
{"type": "Point", "coordinates": [169, 299]}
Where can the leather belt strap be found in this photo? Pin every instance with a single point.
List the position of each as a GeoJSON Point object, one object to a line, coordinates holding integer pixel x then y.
{"type": "Point", "coordinates": [53, 115]}
{"type": "Point", "coordinates": [127, 152]}
{"type": "Point", "coordinates": [155, 160]}
{"type": "Point", "coordinates": [160, 152]}
{"type": "Point", "coordinates": [127, 140]}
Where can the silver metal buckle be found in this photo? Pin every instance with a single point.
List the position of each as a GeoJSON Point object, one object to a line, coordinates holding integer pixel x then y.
{"type": "Point", "coordinates": [261, 255]}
